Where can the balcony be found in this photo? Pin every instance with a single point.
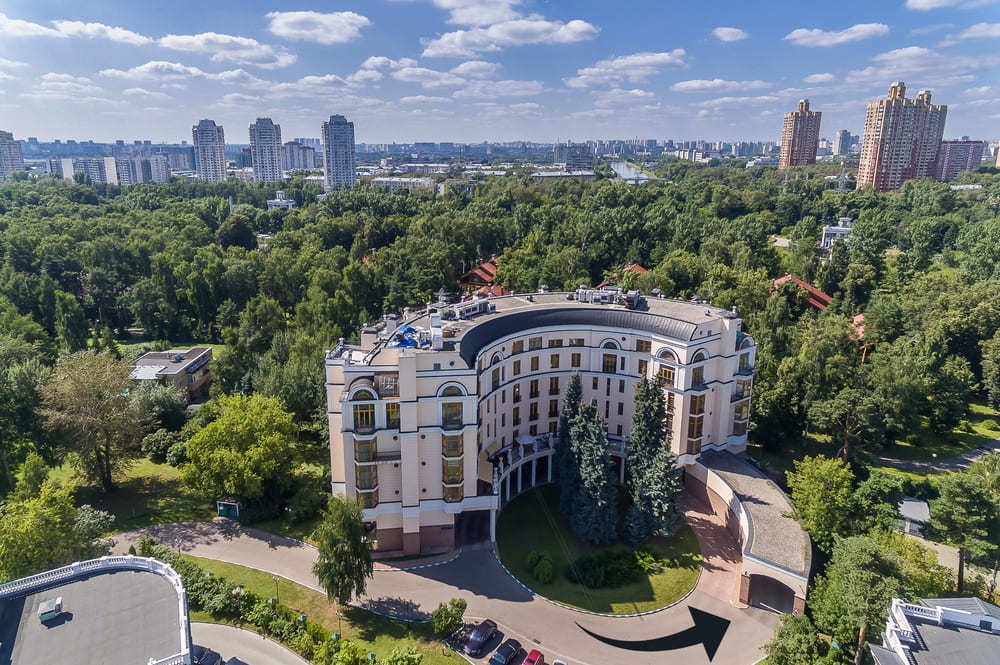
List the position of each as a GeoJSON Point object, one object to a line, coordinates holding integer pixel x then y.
{"type": "Point", "coordinates": [744, 371]}
{"type": "Point", "coordinates": [739, 396]}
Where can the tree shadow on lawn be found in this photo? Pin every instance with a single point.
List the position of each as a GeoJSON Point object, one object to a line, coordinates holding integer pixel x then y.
{"type": "Point", "coordinates": [145, 500]}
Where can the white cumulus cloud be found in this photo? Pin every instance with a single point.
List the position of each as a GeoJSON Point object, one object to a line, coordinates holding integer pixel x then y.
{"type": "Point", "coordinates": [494, 89]}
{"type": "Point", "coordinates": [634, 68]}
{"type": "Point", "coordinates": [424, 99]}
{"type": "Point", "coordinates": [479, 12]}
{"type": "Point", "coordinates": [729, 34]}
{"type": "Point", "coordinates": [817, 37]}
{"type": "Point", "coordinates": [823, 77]}
{"type": "Point", "coordinates": [980, 31]}
{"type": "Point", "coordinates": [428, 78]}
{"type": "Point", "coordinates": [716, 85]}
{"type": "Point", "coordinates": [101, 31]}
{"type": "Point", "coordinates": [514, 32]}
{"type": "Point", "coordinates": [229, 48]}
{"type": "Point", "coordinates": [309, 26]}
{"type": "Point", "coordinates": [476, 69]}
{"type": "Point", "coordinates": [925, 5]}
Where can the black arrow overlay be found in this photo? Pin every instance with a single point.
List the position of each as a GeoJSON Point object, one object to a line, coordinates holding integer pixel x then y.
{"type": "Point", "coordinates": [708, 630]}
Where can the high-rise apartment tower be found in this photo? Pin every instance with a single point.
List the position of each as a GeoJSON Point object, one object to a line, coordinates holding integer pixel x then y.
{"type": "Point", "coordinates": [10, 155]}
{"type": "Point", "coordinates": [901, 139]}
{"type": "Point", "coordinates": [800, 136]}
{"type": "Point", "coordinates": [956, 156]}
{"type": "Point", "coordinates": [338, 152]}
{"type": "Point", "coordinates": [209, 151]}
{"type": "Point", "coordinates": [265, 150]}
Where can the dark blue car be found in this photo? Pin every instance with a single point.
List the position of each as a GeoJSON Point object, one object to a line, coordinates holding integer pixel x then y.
{"type": "Point", "coordinates": [507, 653]}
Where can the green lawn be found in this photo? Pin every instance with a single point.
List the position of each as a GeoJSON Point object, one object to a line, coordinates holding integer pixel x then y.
{"type": "Point", "coordinates": [532, 522]}
{"type": "Point", "coordinates": [374, 633]}
{"type": "Point", "coordinates": [299, 531]}
{"type": "Point", "coordinates": [985, 427]}
{"type": "Point", "coordinates": [148, 494]}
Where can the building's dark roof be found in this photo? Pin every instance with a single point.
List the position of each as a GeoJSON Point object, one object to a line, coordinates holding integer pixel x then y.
{"type": "Point", "coordinates": [500, 326]}
{"type": "Point", "coordinates": [951, 644]}
{"type": "Point", "coordinates": [972, 605]}
{"type": "Point", "coordinates": [884, 656]}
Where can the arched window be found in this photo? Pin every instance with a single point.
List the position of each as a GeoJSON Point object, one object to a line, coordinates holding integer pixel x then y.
{"type": "Point", "coordinates": [746, 343]}
{"type": "Point", "coordinates": [452, 391]}
{"type": "Point", "coordinates": [698, 372]}
{"type": "Point", "coordinates": [362, 395]}
{"type": "Point", "coordinates": [700, 356]}
{"type": "Point", "coordinates": [496, 358]}
{"type": "Point", "coordinates": [610, 344]}
{"type": "Point", "coordinates": [666, 355]}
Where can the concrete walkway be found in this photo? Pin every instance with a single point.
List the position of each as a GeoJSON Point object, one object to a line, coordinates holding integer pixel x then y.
{"type": "Point", "coordinates": [246, 645]}
{"type": "Point", "coordinates": [415, 590]}
{"type": "Point", "coordinates": [946, 465]}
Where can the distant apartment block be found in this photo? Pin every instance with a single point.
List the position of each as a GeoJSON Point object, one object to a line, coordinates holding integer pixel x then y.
{"type": "Point", "coordinates": [338, 152]}
{"type": "Point", "coordinates": [901, 139]}
{"type": "Point", "coordinates": [209, 151]}
{"type": "Point", "coordinates": [842, 143]}
{"type": "Point", "coordinates": [188, 369]}
{"type": "Point", "coordinates": [10, 155]}
{"type": "Point", "coordinates": [409, 184]}
{"type": "Point", "coordinates": [140, 170]}
{"type": "Point", "coordinates": [297, 156]}
{"type": "Point", "coordinates": [800, 136]}
{"type": "Point", "coordinates": [265, 150]}
{"type": "Point", "coordinates": [575, 156]}
{"type": "Point", "coordinates": [956, 156]}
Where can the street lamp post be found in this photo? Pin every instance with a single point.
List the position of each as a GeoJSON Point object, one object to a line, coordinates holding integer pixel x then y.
{"type": "Point", "coordinates": [276, 597]}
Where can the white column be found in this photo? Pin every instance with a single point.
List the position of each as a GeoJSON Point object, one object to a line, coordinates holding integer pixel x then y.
{"type": "Point", "coordinates": [548, 466]}
{"type": "Point", "coordinates": [534, 475]}
{"type": "Point", "coordinates": [493, 526]}
{"type": "Point", "coordinates": [621, 472]}
{"type": "Point", "coordinates": [508, 487]}
{"type": "Point", "coordinates": [520, 469]}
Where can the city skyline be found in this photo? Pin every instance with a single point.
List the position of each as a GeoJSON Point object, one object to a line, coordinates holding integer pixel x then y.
{"type": "Point", "coordinates": [470, 70]}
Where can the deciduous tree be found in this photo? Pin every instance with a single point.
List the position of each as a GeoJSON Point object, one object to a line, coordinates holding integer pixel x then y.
{"type": "Point", "coordinates": [344, 561]}
{"type": "Point", "coordinates": [821, 491]}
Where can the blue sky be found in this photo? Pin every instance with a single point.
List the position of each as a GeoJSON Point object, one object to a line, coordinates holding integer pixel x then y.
{"type": "Point", "coordinates": [472, 70]}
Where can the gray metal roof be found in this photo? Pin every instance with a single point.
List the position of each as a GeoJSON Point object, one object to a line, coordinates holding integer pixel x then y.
{"type": "Point", "coordinates": [884, 656]}
{"type": "Point", "coordinates": [914, 510]}
{"type": "Point", "coordinates": [954, 645]}
{"type": "Point", "coordinates": [497, 327]}
{"type": "Point", "coordinates": [973, 605]}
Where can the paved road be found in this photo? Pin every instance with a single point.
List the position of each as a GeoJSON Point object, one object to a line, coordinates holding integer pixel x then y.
{"type": "Point", "coordinates": [243, 644]}
{"type": "Point", "coordinates": [948, 464]}
{"type": "Point", "coordinates": [476, 576]}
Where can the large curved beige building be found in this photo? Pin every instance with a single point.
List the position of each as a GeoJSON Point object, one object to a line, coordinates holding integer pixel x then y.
{"type": "Point", "coordinates": [450, 410]}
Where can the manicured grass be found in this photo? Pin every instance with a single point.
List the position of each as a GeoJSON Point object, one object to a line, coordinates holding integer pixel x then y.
{"type": "Point", "coordinates": [532, 522]}
{"type": "Point", "coordinates": [299, 531]}
{"type": "Point", "coordinates": [148, 494]}
{"type": "Point", "coordinates": [372, 632]}
{"type": "Point", "coordinates": [984, 425]}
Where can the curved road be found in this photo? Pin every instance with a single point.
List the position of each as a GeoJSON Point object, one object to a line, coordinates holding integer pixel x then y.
{"type": "Point", "coordinates": [413, 589]}
{"type": "Point", "coordinates": [246, 645]}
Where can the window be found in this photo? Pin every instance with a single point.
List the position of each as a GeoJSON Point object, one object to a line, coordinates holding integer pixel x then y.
{"type": "Point", "coordinates": [607, 388]}
{"type": "Point", "coordinates": [643, 365]}
{"type": "Point", "coordinates": [518, 347]}
{"type": "Point", "coordinates": [515, 417]}
{"type": "Point", "coordinates": [609, 345]}
{"type": "Point", "coordinates": [621, 385]}
{"type": "Point", "coordinates": [452, 446]}
{"type": "Point", "coordinates": [618, 430]}
{"type": "Point", "coordinates": [364, 451]}
{"type": "Point", "coordinates": [367, 477]}
{"type": "Point", "coordinates": [453, 494]}
{"type": "Point", "coordinates": [576, 341]}
{"type": "Point", "coordinates": [608, 363]}
{"type": "Point", "coordinates": [363, 395]}
{"type": "Point", "coordinates": [503, 396]}
{"type": "Point", "coordinates": [517, 393]}
{"type": "Point", "coordinates": [451, 471]}
{"type": "Point", "coordinates": [533, 430]}
{"type": "Point", "coordinates": [697, 404]}
{"type": "Point", "coordinates": [503, 420]}
{"type": "Point", "coordinates": [533, 393]}
{"type": "Point", "coordinates": [392, 415]}
{"type": "Point", "coordinates": [553, 427]}
{"type": "Point", "coordinates": [594, 384]}
{"type": "Point", "coordinates": [643, 345]}
{"type": "Point", "coordinates": [534, 363]}
{"type": "Point", "coordinates": [607, 407]}
{"type": "Point", "coordinates": [739, 427]}
{"type": "Point", "coordinates": [742, 389]}
{"type": "Point", "coordinates": [697, 377]}
{"type": "Point", "coordinates": [495, 379]}
{"type": "Point", "coordinates": [666, 375]}
{"type": "Point", "coordinates": [744, 362]}
{"type": "Point", "coordinates": [364, 418]}
{"type": "Point", "coordinates": [574, 360]}
{"type": "Point", "coordinates": [555, 343]}
{"type": "Point", "coordinates": [534, 343]}
{"type": "Point", "coordinates": [554, 385]}
{"type": "Point", "coordinates": [451, 415]}
{"type": "Point", "coordinates": [621, 408]}
{"type": "Point", "coordinates": [553, 408]}
{"type": "Point", "coordinates": [452, 391]}
{"type": "Point", "coordinates": [533, 411]}
{"type": "Point", "coordinates": [388, 384]}
{"type": "Point", "coordinates": [554, 361]}
{"type": "Point", "coordinates": [517, 368]}
{"type": "Point", "coordinates": [670, 402]}
{"type": "Point", "coordinates": [696, 425]}
{"type": "Point", "coordinates": [742, 411]}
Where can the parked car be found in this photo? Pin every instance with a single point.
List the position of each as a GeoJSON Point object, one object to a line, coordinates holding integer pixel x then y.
{"type": "Point", "coordinates": [535, 657]}
{"type": "Point", "coordinates": [480, 637]}
{"type": "Point", "coordinates": [558, 662]}
{"type": "Point", "coordinates": [507, 653]}
{"type": "Point", "coordinates": [204, 656]}
{"type": "Point", "coordinates": [236, 661]}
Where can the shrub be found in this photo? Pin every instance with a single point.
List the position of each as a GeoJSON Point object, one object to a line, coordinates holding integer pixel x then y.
{"type": "Point", "coordinates": [587, 570]}
{"type": "Point", "coordinates": [965, 426]}
{"type": "Point", "coordinates": [157, 445]}
{"type": "Point", "coordinates": [533, 557]}
{"type": "Point", "coordinates": [608, 569]}
{"type": "Point", "coordinates": [648, 561]}
{"type": "Point", "coordinates": [177, 454]}
{"type": "Point", "coordinates": [543, 570]}
{"type": "Point", "coordinates": [448, 617]}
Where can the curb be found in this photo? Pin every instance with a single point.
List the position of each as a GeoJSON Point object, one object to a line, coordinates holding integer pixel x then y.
{"type": "Point", "coordinates": [451, 559]}
{"type": "Point", "coordinates": [524, 586]}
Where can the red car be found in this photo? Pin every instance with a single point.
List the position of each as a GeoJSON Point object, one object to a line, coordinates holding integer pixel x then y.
{"type": "Point", "coordinates": [534, 658]}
